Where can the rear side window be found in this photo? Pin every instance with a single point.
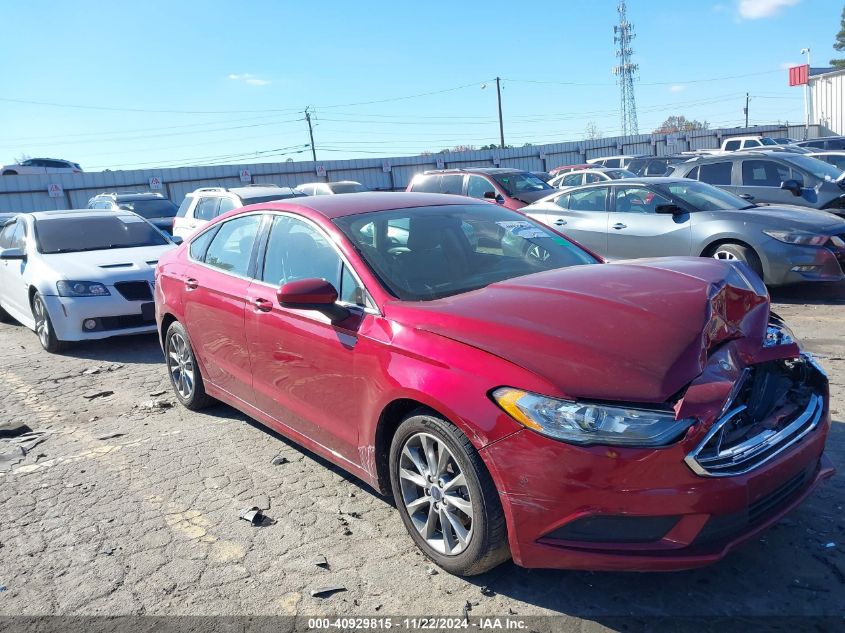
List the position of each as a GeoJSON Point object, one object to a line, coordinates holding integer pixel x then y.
{"type": "Point", "coordinates": [231, 247]}
{"type": "Point", "coordinates": [206, 208]}
{"type": "Point", "coordinates": [732, 145]}
{"type": "Point", "coordinates": [200, 244]}
{"type": "Point", "coordinates": [613, 162]}
{"type": "Point", "coordinates": [427, 184]}
{"type": "Point", "coordinates": [656, 168]}
{"type": "Point", "coordinates": [226, 204]}
{"type": "Point", "coordinates": [589, 200]}
{"type": "Point", "coordinates": [636, 166]}
{"type": "Point", "coordinates": [572, 180]}
{"type": "Point", "coordinates": [183, 208]}
{"type": "Point", "coordinates": [716, 173]}
{"type": "Point", "coordinates": [752, 143]}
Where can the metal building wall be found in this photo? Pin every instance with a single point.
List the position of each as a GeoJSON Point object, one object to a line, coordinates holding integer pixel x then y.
{"type": "Point", "coordinates": [827, 94]}
{"type": "Point", "coordinates": [29, 193]}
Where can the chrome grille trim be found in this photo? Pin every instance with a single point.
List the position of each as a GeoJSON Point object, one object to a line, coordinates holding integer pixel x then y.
{"type": "Point", "coordinates": [743, 455]}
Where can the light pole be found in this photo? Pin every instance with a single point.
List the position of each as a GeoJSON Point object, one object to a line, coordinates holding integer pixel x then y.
{"type": "Point", "coordinates": [806, 51]}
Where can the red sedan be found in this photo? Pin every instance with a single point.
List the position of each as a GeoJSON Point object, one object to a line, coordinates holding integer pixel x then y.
{"type": "Point", "coordinates": [516, 396]}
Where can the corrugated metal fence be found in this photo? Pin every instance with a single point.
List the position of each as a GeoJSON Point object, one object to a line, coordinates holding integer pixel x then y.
{"type": "Point", "coordinates": [31, 193]}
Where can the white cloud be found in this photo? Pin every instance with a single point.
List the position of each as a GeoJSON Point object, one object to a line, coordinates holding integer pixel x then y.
{"type": "Point", "coordinates": [248, 78]}
{"type": "Point", "coordinates": [756, 9]}
{"type": "Point", "coordinates": [677, 88]}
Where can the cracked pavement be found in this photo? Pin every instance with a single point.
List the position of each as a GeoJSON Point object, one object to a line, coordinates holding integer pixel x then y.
{"type": "Point", "coordinates": [130, 506]}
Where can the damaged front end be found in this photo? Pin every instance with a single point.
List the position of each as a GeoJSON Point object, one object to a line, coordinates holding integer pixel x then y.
{"type": "Point", "coordinates": [772, 406]}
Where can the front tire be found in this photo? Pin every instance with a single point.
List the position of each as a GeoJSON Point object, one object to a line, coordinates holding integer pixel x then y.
{"type": "Point", "coordinates": [732, 251]}
{"type": "Point", "coordinates": [44, 326]}
{"type": "Point", "coordinates": [182, 367]}
{"type": "Point", "coordinates": [445, 496]}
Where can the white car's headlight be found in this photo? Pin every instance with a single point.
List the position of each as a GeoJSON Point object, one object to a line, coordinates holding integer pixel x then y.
{"type": "Point", "coordinates": [81, 289]}
{"type": "Point", "coordinates": [588, 423]}
{"type": "Point", "coordinates": [798, 237]}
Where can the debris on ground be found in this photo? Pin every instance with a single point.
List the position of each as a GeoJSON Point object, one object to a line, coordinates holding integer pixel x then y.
{"type": "Point", "coordinates": [156, 394]}
{"type": "Point", "coordinates": [830, 545]}
{"type": "Point", "coordinates": [91, 395]}
{"type": "Point", "coordinates": [486, 591]}
{"type": "Point", "coordinates": [14, 448]}
{"type": "Point", "coordinates": [278, 460]}
{"type": "Point", "coordinates": [2, 588]}
{"type": "Point", "coordinates": [108, 551]}
{"type": "Point", "coordinates": [111, 436]}
{"type": "Point", "coordinates": [256, 517]}
{"type": "Point", "coordinates": [325, 592]}
{"type": "Point", "coordinates": [320, 561]}
{"type": "Point", "coordinates": [431, 571]}
{"type": "Point", "coordinates": [156, 405]}
{"type": "Point", "coordinates": [467, 609]}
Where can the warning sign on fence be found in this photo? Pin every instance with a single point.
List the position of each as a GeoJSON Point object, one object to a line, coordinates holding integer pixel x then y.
{"type": "Point", "coordinates": [155, 183]}
{"type": "Point", "coordinates": [55, 191]}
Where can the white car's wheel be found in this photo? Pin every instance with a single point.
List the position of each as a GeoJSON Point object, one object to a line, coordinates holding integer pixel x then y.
{"type": "Point", "coordinates": [44, 326]}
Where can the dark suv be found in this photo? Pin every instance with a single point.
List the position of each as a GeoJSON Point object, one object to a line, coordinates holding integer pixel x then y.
{"type": "Point", "coordinates": [774, 177]}
{"type": "Point", "coordinates": [512, 188]}
{"type": "Point", "coordinates": [154, 207]}
{"type": "Point", "coordinates": [656, 165]}
{"type": "Point", "coordinates": [826, 142]}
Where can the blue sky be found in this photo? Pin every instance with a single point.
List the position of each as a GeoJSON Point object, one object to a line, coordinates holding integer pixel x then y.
{"type": "Point", "coordinates": [188, 82]}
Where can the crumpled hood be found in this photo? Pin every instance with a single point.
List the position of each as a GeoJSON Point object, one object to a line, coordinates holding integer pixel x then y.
{"type": "Point", "coordinates": [635, 331]}
{"type": "Point", "coordinates": [107, 266]}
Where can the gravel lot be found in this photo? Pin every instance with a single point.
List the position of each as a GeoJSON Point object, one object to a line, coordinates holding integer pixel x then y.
{"type": "Point", "coordinates": [128, 508]}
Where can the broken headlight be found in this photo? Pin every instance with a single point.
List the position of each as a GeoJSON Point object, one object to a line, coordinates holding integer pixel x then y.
{"type": "Point", "coordinates": [589, 423]}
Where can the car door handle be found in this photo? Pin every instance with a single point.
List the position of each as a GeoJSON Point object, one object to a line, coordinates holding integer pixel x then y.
{"type": "Point", "coordinates": [191, 284]}
{"type": "Point", "coordinates": [619, 225]}
{"type": "Point", "coordinates": [262, 305]}
{"type": "Point", "coordinates": [560, 222]}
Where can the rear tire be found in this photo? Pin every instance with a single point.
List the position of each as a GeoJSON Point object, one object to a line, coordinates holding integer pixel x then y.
{"type": "Point", "coordinates": [44, 326]}
{"type": "Point", "coordinates": [182, 367]}
{"type": "Point", "coordinates": [438, 479]}
{"type": "Point", "coordinates": [732, 251]}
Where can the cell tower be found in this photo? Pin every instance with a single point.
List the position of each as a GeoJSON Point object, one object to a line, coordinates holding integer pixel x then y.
{"type": "Point", "coordinates": [623, 34]}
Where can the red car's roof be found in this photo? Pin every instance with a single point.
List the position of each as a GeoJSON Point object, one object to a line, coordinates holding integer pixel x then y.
{"type": "Point", "coordinates": [354, 203]}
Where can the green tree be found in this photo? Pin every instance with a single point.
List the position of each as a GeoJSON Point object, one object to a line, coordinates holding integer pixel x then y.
{"type": "Point", "coordinates": [840, 43]}
{"type": "Point", "coordinates": [680, 124]}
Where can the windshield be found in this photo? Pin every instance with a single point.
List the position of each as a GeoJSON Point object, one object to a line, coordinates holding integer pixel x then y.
{"type": "Point", "coordinates": [156, 208]}
{"type": "Point", "coordinates": [817, 168]}
{"type": "Point", "coordinates": [432, 252]}
{"type": "Point", "coordinates": [703, 197]}
{"type": "Point", "coordinates": [347, 187]}
{"type": "Point", "coordinates": [72, 235]}
{"type": "Point", "coordinates": [765, 140]}
{"type": "Point", "coordinates": [616, 174]}
{"type": "Point", "coordinates": [520, 182]}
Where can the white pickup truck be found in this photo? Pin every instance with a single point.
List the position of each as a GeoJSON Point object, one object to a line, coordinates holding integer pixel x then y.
{"type": "Point", "coordinates": [739, 143]}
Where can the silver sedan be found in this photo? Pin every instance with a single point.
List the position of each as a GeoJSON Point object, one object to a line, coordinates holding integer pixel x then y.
{"type": "Point", "coordinates": [656, 217]}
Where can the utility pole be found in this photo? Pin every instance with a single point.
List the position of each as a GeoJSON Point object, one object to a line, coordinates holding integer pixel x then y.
{"type": "Point", "coordinates": [501, 125]}
{"type": "Point", "coordinates": [311, 134]}
{"type": "Point", "coordinates": [747, 99]}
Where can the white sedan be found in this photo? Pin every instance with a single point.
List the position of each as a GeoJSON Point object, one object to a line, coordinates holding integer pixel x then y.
{"type": "Point", "coordinates": [79, 275]}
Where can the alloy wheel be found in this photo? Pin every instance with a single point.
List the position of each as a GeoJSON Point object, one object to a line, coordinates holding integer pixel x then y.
{"type": "Point", "coordinates": [181, 365]}
{"type": "Point", "coordinates": [726, 256]}
{"type": "Point", "coordinates": [435, 494]}
{"type": "Point", "coordinates": [42, 323]}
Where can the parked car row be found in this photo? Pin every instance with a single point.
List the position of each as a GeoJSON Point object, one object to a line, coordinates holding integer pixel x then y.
{"type": "Point", "coordinates": [451, 351]}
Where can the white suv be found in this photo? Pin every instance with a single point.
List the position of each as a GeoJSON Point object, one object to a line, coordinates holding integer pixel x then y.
{"type": "Point", "coordinates": [206, 203]}
{"type": "Point", "coordinates": [35, 166]}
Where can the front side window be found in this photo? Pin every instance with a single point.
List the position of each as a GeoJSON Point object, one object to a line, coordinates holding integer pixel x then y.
{"type": "Point", "coordinates": [478, 186]}
{"type": "Point", "coordinates": [637, 200]}
{"type": "Point", "coordinates": [592, 177]}
{"type": "Point", "coordinates": [206, 209]}
{"type": "Point", "coordinates": [65, 234]}
{"type": "Point", "coordinates": [296, 250]}
{"type": "Point", "coordinates": [763, 173]}
{"type": "Point", "coordinates": [6, 235]}
{"type": "Point", "coordinates": [226, 204]}
{"type": "Point", "coordinates": [716, 173]}
{"type": "Point", "coordinates": [200, 244]}
{"type": "Point", "coordinates": [589, 200]}
{"type": "Point", "coordinates": [752, 143]}
{"type": "Point", "coordinates": [183, 208]}
{"type": "Point", "coordinates": [702, 197]}
{"type": "Point", "coordinates": [657, 167]}
{"type": "Point", "coordinates": [456, 248]}
{"type": "Point", "coordinates": [562, 201]}
{"type": "Point", "coordinates": [231, 247]}
{"type": "Point", "coordinates": [732, 146]}
{"type": "Point", "coordinates": [613, 162]}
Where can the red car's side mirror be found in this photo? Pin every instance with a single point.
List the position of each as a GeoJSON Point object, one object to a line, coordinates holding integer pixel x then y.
{"type": "Point", "coordinates": [312, 294]}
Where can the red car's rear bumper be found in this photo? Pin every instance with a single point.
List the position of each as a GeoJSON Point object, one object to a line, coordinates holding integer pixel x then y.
{"type": "Point", "coordinates": [601, 508]}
